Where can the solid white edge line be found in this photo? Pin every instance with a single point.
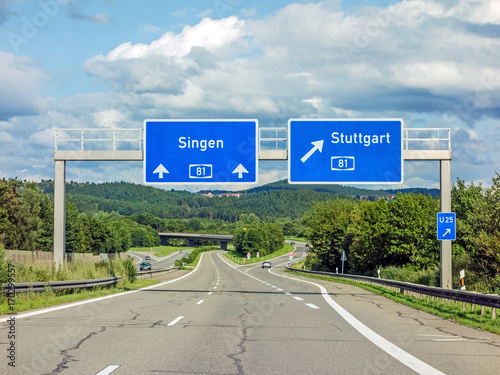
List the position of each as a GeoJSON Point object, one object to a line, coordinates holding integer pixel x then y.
{"type": "Point", "coordinates": [396, 352]}
{"type": "Point", "coordinates": [108, 370]}
{"type": "Point", "coordinates": [175, 321]}
{"type": "Point", "coordinates": [84, 302]}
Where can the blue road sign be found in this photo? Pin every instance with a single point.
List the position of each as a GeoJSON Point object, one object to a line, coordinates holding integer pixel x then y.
{"type": "Point", "coordinates": [446, 226]}
{"type": "Point", "coordinates": [200, 151]}
{"type": "Point", "coordinates": [347, 151]}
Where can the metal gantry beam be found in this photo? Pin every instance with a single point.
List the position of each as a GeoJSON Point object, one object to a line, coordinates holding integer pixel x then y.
{"type": "Point", "coordinates": [272, 145]}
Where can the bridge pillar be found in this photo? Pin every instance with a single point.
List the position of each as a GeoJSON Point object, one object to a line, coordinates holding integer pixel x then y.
{"type": "Point", "coordinates": [190, 243]}
{"type": "Point", "coordinates": [223, 245]}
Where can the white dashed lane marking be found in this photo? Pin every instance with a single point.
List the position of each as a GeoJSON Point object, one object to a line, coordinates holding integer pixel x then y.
{"type": "Point", "coordinates": [175, 321]}
{"type": "Point", "coordinates": [108, 370]}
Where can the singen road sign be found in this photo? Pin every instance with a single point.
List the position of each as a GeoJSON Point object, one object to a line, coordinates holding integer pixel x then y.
{"type": "Point", "coordinates": [200, 151]}
{"type": "Point", "coordinates": [357, 151]}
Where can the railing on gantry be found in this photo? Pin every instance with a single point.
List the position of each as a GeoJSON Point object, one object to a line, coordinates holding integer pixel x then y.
{"type": "Point", "coordinates": [98, 139]}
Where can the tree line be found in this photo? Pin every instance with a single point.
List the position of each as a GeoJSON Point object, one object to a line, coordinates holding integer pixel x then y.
{"type": "Point", "coordinates": [402, 233]}
{"type": "Point", "coordinates": [26, 217]}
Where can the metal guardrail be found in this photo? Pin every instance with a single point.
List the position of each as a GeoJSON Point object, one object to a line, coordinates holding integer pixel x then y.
{"type": "Point", "coordinates": [145, 274]}
{"type": "Point", "coordinates": [58, 285]}
{"type": "Point", "coordinates": [416, 290]}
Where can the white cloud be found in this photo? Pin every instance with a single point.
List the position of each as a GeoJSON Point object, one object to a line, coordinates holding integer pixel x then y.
{"type": "Point", "coordinates": [110, 118]}
{"type": "Point", "coordinates": [20, 78]}
{"type": "Point", "coordinates": [209, 34]}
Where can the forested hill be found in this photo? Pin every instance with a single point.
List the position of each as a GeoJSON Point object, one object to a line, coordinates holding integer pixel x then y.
{"type": "Point", "coordinates": [131, 199]}
{"type": "Point", "coordinates": [333, 189]}
{"type": "Point", "coordinates": [337, 189]}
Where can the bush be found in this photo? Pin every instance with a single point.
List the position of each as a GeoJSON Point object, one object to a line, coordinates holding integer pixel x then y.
{"type": "Point", "coordinates": [130, 270]}
{"type": "Point", "coordinates": [4, 266]}
{"type": "Point", "coordinates": [428, 277]}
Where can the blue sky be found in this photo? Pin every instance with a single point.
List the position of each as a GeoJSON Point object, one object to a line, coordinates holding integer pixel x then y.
{"type": "Point", "coordinates": [110, 63]}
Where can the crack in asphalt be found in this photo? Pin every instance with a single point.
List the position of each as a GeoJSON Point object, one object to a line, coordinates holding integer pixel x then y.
{"type": "Point", "coordinates": [156, 324]}
{"type": "Point", "coordinates": [403, 315]}
{"type": "Point", "coordinates": [136, 314]}
{"type": "Point", "coordinates": [68, 357]}
{"type": "Point", "coordinates": [243, 339]}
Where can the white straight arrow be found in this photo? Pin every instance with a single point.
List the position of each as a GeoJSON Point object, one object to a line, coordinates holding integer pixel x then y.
{"type": "Point", "coordinates": [160, 170]}
{"type": "Point", "coordinates": [318, 145]}
{"type": "Point", "coordinates": [240, 169]}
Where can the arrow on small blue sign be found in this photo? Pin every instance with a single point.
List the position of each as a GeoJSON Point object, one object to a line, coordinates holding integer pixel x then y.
{"type": "Point", "coordinates": [446, 226]}
{"type": "Point", "coordinates": [200, 151]}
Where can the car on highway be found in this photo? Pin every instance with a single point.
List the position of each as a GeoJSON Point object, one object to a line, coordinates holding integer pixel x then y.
{"type": "Point", "coordinates": [147, 257]}
{"type": "Point", "coordinates": [145, 266]}
{"type": "Point", "coordinates": [266, 263]}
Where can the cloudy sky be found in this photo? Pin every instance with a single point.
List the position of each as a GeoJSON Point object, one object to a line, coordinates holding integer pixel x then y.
{"type": "Point", "coordinates": [111, 64]}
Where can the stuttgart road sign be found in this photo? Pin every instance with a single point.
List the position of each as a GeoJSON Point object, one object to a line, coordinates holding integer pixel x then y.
{"type": "Point", "coordinates": [345, 151]}
{"type": "Point", "coordinates": [200, 151]}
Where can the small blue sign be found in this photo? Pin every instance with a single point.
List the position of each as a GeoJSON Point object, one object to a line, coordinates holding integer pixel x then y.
{"type": "Point", "coordinates": [345, 151]}
{"type": "Point", "coordinates": [200, 151]}
{"type": "Point", "coordinates": [446, 226]}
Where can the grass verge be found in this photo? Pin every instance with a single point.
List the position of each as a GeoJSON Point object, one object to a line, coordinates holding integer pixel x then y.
{"type": "Point", "coordinates": [164, 250]}
{"type": "Point", "coordinates": [450, 312]}
{"type": "Point", "coordinates": [36, 300]}
{"type": "Point", "coordinates": [237, 258]}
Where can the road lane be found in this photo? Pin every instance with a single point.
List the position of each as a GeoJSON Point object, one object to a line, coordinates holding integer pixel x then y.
{"type": "Point", "coordinates": [248, 323]}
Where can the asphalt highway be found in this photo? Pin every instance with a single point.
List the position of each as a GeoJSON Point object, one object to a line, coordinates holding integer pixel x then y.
{"type": "Point", "coordinates": [223, 318]}
{"type": "Point", "coordinates": [158, 262]}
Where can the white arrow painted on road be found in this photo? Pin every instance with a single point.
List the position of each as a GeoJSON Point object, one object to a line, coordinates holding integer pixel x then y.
{"type": "Point", "coordinates": [160, 170]}
{"type": "Point", "coordinates": [447, 231]}
{"type": "Point", "coordinates": [318, 145]}
{"type": "Point", "coordinates": [240, 169]}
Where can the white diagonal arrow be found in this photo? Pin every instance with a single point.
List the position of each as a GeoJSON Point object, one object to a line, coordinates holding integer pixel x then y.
{"type": "Point", "coordinates": [447, 231]}
{"type": "Point", "coordinates": [160, 170]}
{"type": "Point", "coordinates": [318, 145]}
{"type": "Point", "coordinates": [240, 169]}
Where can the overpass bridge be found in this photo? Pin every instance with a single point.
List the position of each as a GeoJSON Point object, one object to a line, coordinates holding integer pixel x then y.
{"type": "Point", "coordinates": [223, 239]}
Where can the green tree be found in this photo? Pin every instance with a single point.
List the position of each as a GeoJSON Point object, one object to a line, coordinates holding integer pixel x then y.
{"type": "Point", "coordinates": [30, 223]}
{"type": "Point", "coordinates": [328, 231]}
{"type": "Point", "coordinates": [10, 213]}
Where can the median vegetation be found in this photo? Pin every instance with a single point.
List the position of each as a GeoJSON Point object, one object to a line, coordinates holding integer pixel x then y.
{"type": "Point", "coordinates": [25, 273]}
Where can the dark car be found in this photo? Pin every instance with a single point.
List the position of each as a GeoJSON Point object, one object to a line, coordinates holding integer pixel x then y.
{"type": "Point", "coordinates": [145, 266]}
{"type": "Point", "coordinates": [266, 263]}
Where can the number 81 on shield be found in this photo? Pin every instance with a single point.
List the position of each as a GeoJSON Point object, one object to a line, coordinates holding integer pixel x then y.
{"type": "Point", "coordinates": [342, 163]}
